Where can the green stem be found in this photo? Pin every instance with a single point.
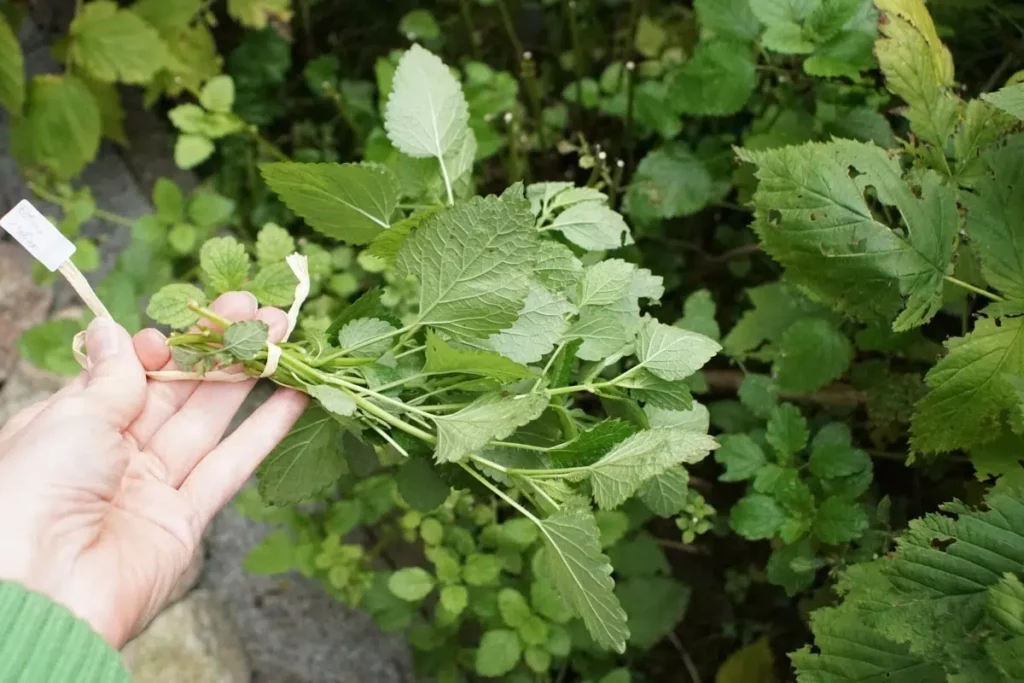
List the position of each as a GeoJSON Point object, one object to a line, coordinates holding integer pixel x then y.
{"type": "Point", "coordinates": [48, 196]}
{"type": "Point", "coordinates": [467, 19]}
{"type": "Point", "coordinates": [266, 144]}
{"type": "Point", "coordinates": [341, 353]}
{"type": "Point", "coordinates": [396, 422]}
{"type": "Point", "coordinates": [501, 494]}
{"type": "Point", "coordinates": [510, 29]}
{"type": "Point", "coordinates": [971, 288]}
{"type": "Point", "coordinates": [209, 315]}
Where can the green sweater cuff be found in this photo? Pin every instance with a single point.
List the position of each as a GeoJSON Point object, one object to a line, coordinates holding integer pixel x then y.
{"type": "Point", "coordinates": [41, 641]}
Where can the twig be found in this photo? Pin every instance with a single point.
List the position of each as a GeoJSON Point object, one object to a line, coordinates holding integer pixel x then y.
{"type": "Point", "coordinates": [691, 668]}
{"type": "Point", "coordinates": [681, 547]}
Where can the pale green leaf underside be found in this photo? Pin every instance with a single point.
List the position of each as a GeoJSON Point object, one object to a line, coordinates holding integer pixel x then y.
{"type": "Point", "coordinates": [592, 226]}
{"type": "Point", "coordinates": [673, 353]}
{"type": "Point", "coordinates": [350, 202]}
{"type": "Point", "coordinates": [1010, 99]}
{"type": "Point", "coordinates": [492, 416]}
{"type": "Point", "coordinates": [442, 358]}
{"type": "Point", "coordinates": [582, 575]}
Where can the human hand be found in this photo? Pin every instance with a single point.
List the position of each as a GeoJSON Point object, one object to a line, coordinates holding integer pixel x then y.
{"type": "Point", "coordinates": [106, 487]}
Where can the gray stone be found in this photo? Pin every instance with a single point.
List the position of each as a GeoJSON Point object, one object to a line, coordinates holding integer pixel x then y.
{"type": "Point", "coordinates": [194, 640]}
{"type": "Point", "coordinates": [293, 632]}
{"type": "Point", "coordinates": [22, 303]}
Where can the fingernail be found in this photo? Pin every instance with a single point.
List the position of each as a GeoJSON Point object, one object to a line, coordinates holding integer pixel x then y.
{"type": "Point", "coordinates": [103, 339]}
{"type": "Point", "coordinates": [255, 301]}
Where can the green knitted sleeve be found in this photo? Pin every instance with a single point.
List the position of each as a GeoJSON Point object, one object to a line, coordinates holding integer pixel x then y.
{"type": "Point", "coordinates": [42, 642]}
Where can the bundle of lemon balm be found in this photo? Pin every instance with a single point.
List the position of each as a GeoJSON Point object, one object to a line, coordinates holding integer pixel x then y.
{"type": "Point", "coordinates": [41, 238]}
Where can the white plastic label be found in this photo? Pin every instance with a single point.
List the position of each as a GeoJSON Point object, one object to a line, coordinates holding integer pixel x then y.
{"type": "Point", "coordinates": [38, 235]}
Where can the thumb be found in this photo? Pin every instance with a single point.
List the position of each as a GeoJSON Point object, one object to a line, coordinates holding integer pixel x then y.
{"type": "Point", "coordinates": [116, 387]}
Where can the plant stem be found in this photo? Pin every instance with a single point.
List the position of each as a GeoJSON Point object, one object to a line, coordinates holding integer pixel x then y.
{"type": "Point", "coordinates": [48, 196]}
{"type": "Point", "coordinates": [396, 422]}
{"type": "Point", "coordinates": [467, 19]}
{"type": "Point", "coordinates": [209, 315]}
{"type": "Point", "coordinates": [266, 144]}
{"type": "Point", "coordinates": [627, 137]}
{"type": "Point", "coordinates": [341, 353]}
{"type": "Point", "coordinates": [501, 494]}
{"type": "Point", "coordinates": [510, 29]}
{"type": "Point", "coordinates": [971, 288]}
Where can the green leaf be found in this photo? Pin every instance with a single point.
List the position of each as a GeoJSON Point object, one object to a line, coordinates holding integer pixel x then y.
{"type": "Point", "coordinates": [728, 19]}
{"type": "Point", "coordinates": [182, 238]}
{"type": "Point", "coordinates": [362, 330]}
{"type": "Point", "coordinates": [442, 358]}
{"type": "Point", "coordinates": [832, 460]}
{"type": "Point", "coordinates": [1006, 603]}
{"type": "Point", "coordinates": [188, 118]}
{"type": "Point", "coordinates": [426, 114]}
{"type": "Point", "coordinates": [419, 23]}
{"type": "Point", "coordinates": [306, 462]}
{"type": "Point", "coordinates": [917, 68]}
{"type": "Point", "coordinates": [113, 44]}
{"type": "Point", "coordinates": [210, 210]}
{"type": "Point", "coordinates": [813, 354]}
{"type": "Point", "coordinates": [368, 305]}
{"type": "Point", "coordinates": [332, 399]}
{"type": "Point", "coordinates": [169, 306]}
{"type": "Point", "coordinates": [276, 554]}
{"type": "Point", "coordinates": [225, 264]}
{"type": "Point", "coordinates": [969, 388]}
{"type": "Point", "coordinates": [654, 605]}
{"type": "Point", "coordinates": [757, 517]}
{"type": "Point", "coordinates": [838, 521]}
{"type": "Point", "coordinates": [669, 182]}
{"type": "Point", "coordinates": [168, 200]}
{"type": "Point", "coordinates": [273, 285]}
{"type": "Point", "coordinates": [12, 69]}
{"type": "Point", "coordinates": [387, 244]}
{"type": "Point", "coordinates": [671, 353]}
{"type": "Point", "coordinates": [812, 217]}
{"type": "Point", "coordinates": [257, 14]}
{"type": "Point", "coordinates": [754, 663]}
{"type": "Point", "coordinates": [472, 263]}
{"type": "Point", "coordinates": [350, 202]}
{"type": "Point", "coordinates": [557, 268]}
{"type": "Point", "coordinates": [668, 493]}
{"type": "Point", "coordinates": [190, 150]}
{"type": "Point", "coordinates": [787, 431]}
{"type": "Point", "coordinates": [582, 574]}
{"type": "Point", "coordinates": [273, 244]}
{"type": "Point", "coordinates": [167, 17]}
{"type": "Point", "coordinates": [420, 485]}
{"type": "Point", "coordinates": [61, 125]}
{"type": "Point", "coordinates": [454, 599]}
{"type": "Point", "coordinates": [657, 392]}
{"type": "Point", "coordinates": [87, 256]}
{"type": "Point", "coordinates": [513, 607]}
{"type": "Point", "coordinates": [759, 394]}
{"type": "Point", "coordinates": [1010, 99]}
{"type": "Point", "coordinates": [411, 584]}
{"type": "Point", "coordinates": [621, 471]}
{"type": "Point", "coordinates": [482, 570]}
{"type": "Point", "coordinates": [592, 444]}
{"type": "Point", "coordinates": [492, 416]}
{"type": "Point", "coordinates": [777, 306]}
{"type": "Point", "coordinates": [699, 315]}
{"type": "Point", "coordinates": [246, 339]}
{"type": "Point", "coordinates": [542, 322]}
{"type": "Point", "coordinates": [218, 94]}
{"type": "Point", "coordinates": [742, 457]}
{"type": "Point", "coordinates": [498, 654]}
{"type": "Point", "coordinates": [592, 226]}
{"type": "Point", "coordinates": [717, 81]}
{"type": "Point", "coordinates": [48, 346]}
{"type": "Point", "coordinates": [994, 213]}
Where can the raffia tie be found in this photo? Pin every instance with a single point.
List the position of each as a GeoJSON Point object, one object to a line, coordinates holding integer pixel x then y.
{"type": "Point", "coordinates": [299, 266]}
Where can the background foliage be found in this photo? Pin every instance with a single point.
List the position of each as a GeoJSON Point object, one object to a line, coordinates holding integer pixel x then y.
{"type": "Point", "coordinates": [796, 225]}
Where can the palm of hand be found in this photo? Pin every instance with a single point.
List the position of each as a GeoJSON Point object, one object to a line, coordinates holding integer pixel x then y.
{"type": "Point", "coordinates": [109, 484]}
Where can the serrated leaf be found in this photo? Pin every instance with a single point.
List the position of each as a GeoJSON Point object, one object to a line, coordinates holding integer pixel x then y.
{"type": "Point", "coordinates": [442, 358]}
{"type": "Point", "coordinates": [12, 69]}
{"type": "Point", "coordinates": [167, 17]}
{"type": "Point", "coordinates": [426, 114]}
{"type": "Point", "coordinates": [472, 263]}
{"type": "Point", "coordinates": [225, 264]}
{"type": "Point", "coordinates": [759, 394]}
{"type": "Point", "coordinates": [113, 44]}
{"type": "Point", "coordinates": [420, 485]}
{"type": "Point", "coordinates": [917, 68]}
{"type": "Point", "coordinates": [969, 388]}
{"type": "Point", "coordinates": [333, 400]}
{"type": "Point", "coordinates": [273, 244]}
{"type": "Point", "coordinates": [591, 444]}
{"type": "Point", "coordinates": [190, 150]}
{"type": "Point", "coordinates": [669, 182]}
{"type": "Point", "coordinates": [813, 353]}
{"type": "Point", "coordinates": [728, 18]}
{"type": "Point", "coordinates": [655, 605]}
{"type": "Point", "coordinates": [671, 353]}
{"type": "Point", "coordinates": [245, 339]}
{"type": "Point", "coordinates": [994, 213]}
{"type": "Point", "coordinates": [492, 416]}
{"type": "Point", "coordinates": [218, 94]}
{"type": "Point", "coordinates": [838, 521]}
{"type": "Point", "coordinates": [306, 462]}
{"type": "Point", "coordinates": [387, 244]}
{"type": "Point", "coordinates": [61, 126]}
{"type": "Point", "coordinates": [210, 210]}
{"type": "Point", "coordinates": [621, 471]}
{"type": "Point", "coordinates": [541, 324]}
{"type": "Point", "coordinates": [666, 494]}
{"type": "Point", "coordinates": [273, 285]}
{"type": "Point", "coordinates": [647, 387]}
{"type": "Point", "coordinates": [169, 306]}
{"type": "Point", "coordinates": [362, 332]}
{"type": "Point", "coordinates": [592, 226]}
{"type": "Point", "coordinates": [454, 599]}
{"type": "Point", "coordinates": [742, 457]}
{"type": "Point", "coordinates": [368, 305]}
{"type": "Point", "coordinates": [582, 574]}
{"type": "Point", "coordinates": [1010, 99]}
{"type": "Point", "coordinates": [812, 217]}
{"type": "Point", "coordinates": [787, 432]}
{"type": "Point", "coordinates": [557, 268]}
{"type": "Point", "coordinates": [829, 461]}
{"type": "Point", "coordinates": [350, 202]}
{"type": "Point", "coordinates": [757, 517]}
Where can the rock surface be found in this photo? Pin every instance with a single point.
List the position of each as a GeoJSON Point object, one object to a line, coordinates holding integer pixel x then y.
{"type": "Point", "coordinates": [194, 640]}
